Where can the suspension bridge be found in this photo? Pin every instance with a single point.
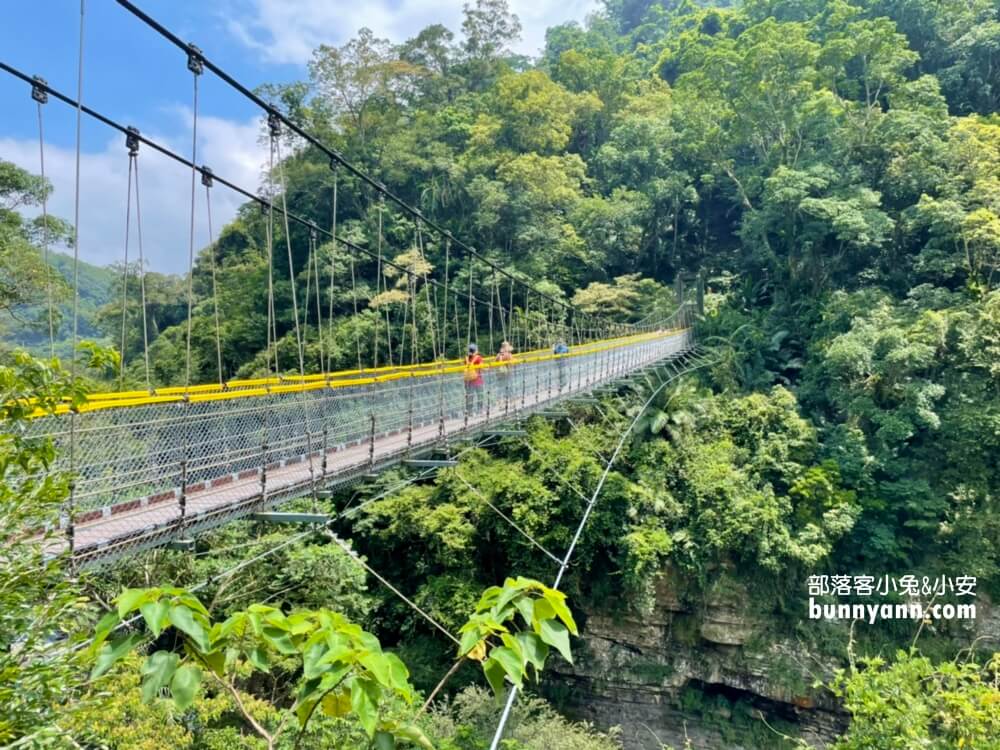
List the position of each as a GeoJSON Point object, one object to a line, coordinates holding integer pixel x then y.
{"type": "Point", "coordinates": [154, 466]}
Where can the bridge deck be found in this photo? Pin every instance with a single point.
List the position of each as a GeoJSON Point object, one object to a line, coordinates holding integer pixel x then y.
{"type": "Point", "coordinates": [150, 473]}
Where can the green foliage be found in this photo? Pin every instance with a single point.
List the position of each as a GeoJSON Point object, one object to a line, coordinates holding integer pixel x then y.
{"type": "Point", "coordinates": [468, 722]}
{"type": "Point", "coordinates": [42, 614]}
{"type": "Point", "coordinates": [342, 669]}
{"type": "Point", "coordinates": [830, 165]}
{"type": "Point", "coordinates": [512, 629]}
{"type": "Point", "coordinates": [912, 702]}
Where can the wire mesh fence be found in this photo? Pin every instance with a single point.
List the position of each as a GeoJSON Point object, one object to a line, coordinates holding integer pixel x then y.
{"type": "Point", "coordinates": [150, 472]}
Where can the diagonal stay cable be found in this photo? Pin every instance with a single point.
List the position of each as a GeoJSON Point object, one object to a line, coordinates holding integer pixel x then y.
{"type": "Point", "coordinates": [564, 564]}
{"type": "Point", "coordinates": [506, 518]}
{"type": "Point", "coordinates": [357, 558]}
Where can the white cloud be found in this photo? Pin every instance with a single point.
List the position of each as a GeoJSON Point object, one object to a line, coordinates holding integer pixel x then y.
{"type": "Point", "coordinates": [287, 31]}
{"type": "Point", "coordinates": [229, 148]}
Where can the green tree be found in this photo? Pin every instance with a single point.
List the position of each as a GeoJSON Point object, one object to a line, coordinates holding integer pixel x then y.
{"type": "Point", "coordinates": [42, 614]}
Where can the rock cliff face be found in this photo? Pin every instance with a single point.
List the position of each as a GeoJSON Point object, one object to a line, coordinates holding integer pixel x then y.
{"type": "Point", "coordinates": [718, 676]}
{"type": "Point", "coordinates": [701, 677]}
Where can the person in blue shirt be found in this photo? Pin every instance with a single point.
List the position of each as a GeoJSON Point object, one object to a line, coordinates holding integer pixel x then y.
{"type": "Point", "coordinates": [561, 349]}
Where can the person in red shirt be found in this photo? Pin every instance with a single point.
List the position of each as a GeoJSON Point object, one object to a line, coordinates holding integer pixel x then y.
{"type": "Point", "coordinates": [474, 383]}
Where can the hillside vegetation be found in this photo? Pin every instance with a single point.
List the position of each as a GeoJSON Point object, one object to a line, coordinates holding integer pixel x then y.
{"type": "Point", "coordinates": [831, 167]}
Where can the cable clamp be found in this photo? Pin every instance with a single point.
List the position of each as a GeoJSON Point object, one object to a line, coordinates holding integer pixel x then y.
{"type": "Point", "coordinates": [132, 140]}
{"type": "Point", "coordinates": [207, 176]}
{"type": "Point", "coordinates": [196, 63]}
{"type": "Point", "coordinates": [39, 90]}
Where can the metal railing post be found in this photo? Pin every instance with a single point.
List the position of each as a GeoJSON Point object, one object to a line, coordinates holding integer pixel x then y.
{"type": "Point", "coordinates": [182, 500]}
{"type": "Point", "coordinates": [323, 463]}
{"type": "Point", "coordinates": [524, 388]}
{"type": "Point", "coordinates": [442, 433]}
{"type": "Point", "coordinates": [409, 418]}
{"type": "Point", "coordinates": [263, 459]}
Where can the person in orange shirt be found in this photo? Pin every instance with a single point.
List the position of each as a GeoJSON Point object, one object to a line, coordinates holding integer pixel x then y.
{"type": "Point", "coordinates": [474, 383]}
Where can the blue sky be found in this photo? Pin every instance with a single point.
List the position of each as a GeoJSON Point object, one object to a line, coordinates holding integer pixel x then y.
{"type": "Point", "coordinates": [136, 77]}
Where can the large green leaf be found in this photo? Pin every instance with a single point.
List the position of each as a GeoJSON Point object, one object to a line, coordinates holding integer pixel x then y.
{"type": "Point", "coordinates": [130, 599]}
{"type": "Point", "coordinates": [534, 649]}
{"type": "Point", "coordinates": [543, 610]}
{"type": "Point", "coordinates": [311, 661]}
{"type": "Point", "coordinates": [155, 615]}
{"type": "Point", "coordinates": [280, 640]}
{"type": "Point", "coordinates": [304, 710]}
{"type": "Point", "coordinates": [414, 735]}
{"type": "Point", "coordinates": [555, 634]}
{"type": "Point", "coordinates": [512, 664]}
{"type": "Point", "coordinates": [112, 652]}
{"type": "Point", "coordinates": [193, 603]}
{"type": "Point", "coordinates": [526, 606]}
{"type": "Point", "coordinates": [508, 594]}
{"type": "Point", "coordinates": [364, 702]}
{"type": "Point", "coordinates": [184, 685]}
{"type": "Point", "coordinates": [377, 665]}
{"type": "Point", "coordinates": [216, 661]}
{"type": "Point", "coordinates": [470, 637]}
{"type": "Point", "coordinates": [235, 624]}
{"type": "Point", "coordinates": [494, 672]}
{"type": "Point", "coordinates": [258, 657]}
{"type": "Point", "coordinates": [156, 673]}
{"type": "Point", "coordinates": [105, 626]}
{"type": "Point", "coordinates": [557, 600]}
{"type": "Point", "coordinates": [182, 618]}
{"type": "Point", "coordinates": [399, 675]}
{"type": "Point", "coordinates": [337, 703]}
{"type": "Point", "coordinates": [107, 623]}
{"type": "Point", "coordinates": [384, 741]}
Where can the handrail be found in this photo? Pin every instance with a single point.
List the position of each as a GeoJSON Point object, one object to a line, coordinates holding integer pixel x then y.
{"type": "Point", "coordinates": [334, 380]}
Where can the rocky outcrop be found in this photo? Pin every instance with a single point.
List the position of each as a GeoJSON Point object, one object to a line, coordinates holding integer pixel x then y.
{"type": "Point", "coordinates": [724, 673]}
{"type": "Point", "coordinates": [705, 678]}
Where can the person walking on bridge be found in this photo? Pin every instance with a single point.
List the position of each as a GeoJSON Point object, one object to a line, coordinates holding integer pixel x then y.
{"type": "Point", "coordinates": [474, 382]}
{"type": "Point", "coordinates": [560, 350]}
{"type": "Point", "coordinates": [505, 371]}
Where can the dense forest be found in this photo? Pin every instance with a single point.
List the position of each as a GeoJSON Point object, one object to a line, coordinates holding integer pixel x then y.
{"type": "Point", "coordinates": [830, 167]}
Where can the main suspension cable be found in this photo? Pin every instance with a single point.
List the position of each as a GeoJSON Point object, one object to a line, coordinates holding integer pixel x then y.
{"type": "Point", "coordinates": [332, 154]}
{"type": "Point", "coordinates": [266, 204]}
